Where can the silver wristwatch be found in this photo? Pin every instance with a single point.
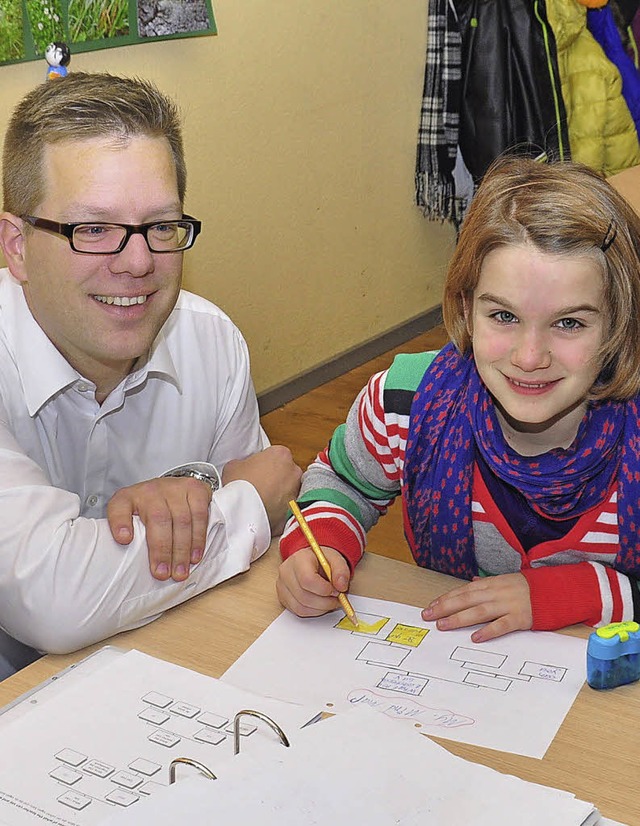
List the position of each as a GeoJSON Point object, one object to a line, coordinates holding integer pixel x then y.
{"type": "Point", "coordinates": [204, 471]}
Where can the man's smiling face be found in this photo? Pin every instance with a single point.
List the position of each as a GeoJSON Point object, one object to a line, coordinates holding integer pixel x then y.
{"type": "Point", "coordinates": [102, 312]}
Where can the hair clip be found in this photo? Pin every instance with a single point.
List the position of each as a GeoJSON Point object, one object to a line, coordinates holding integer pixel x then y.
{"type": "Point", "coordinates": [609, 236]}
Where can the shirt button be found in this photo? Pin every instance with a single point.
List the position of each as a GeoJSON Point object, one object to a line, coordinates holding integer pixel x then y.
{"type": "Point", "coordinates": [82, 387]}
{"type": "Point", "coordinates": [92, 500]}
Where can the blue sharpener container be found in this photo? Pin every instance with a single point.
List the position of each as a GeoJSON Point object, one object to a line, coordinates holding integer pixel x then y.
{"type": "Point", "coordinates": [613, 655]}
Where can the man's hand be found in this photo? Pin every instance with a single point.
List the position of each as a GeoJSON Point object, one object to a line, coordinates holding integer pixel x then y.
{"type": "Point", "coordinates": [502, 602]}
{"type": "Point", "coordinates": [275, 476]}
{"type": "Point", "coordinates": [302, 586]}
{"type": "Point", "coordinates": [175, 513]}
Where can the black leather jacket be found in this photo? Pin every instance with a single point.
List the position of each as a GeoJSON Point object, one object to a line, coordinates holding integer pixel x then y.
{"type": "Point", "coordinates": [511, 95]}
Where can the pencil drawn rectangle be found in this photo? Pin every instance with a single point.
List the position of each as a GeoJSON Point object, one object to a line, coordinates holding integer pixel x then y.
{"type": "Point", "coordinates": [487, 681]}
{"type": "Point", "coordinates": [367, 624]}
{"type": "Point", "coordinates": [403, 683]}
{"type": "Point", "coordinates": [543, 672]}
{"type": "Point", "coordinates": [407, 634]}
{"type": "Point", "coordinates": [478, 657]}
{"type": "Point", "coordinates": [490, 669]}
{"type": "Point", "coordinates": [376, 653]}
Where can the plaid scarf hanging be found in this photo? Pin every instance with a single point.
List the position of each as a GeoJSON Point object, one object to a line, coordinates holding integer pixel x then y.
{"type": "Point", "coordinates": [439, 116]}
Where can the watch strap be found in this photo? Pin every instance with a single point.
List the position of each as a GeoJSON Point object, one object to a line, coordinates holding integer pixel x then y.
{"type": "Point", "coordinates": [203, 471]}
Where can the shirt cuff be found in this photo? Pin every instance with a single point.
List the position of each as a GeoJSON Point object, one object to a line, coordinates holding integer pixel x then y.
{"type": "Point", "coordinates": [563, 595]}
{"type": "Point", "coordinates": [237, 534]}
{"type": "Point", "coordinates": [240, 507]}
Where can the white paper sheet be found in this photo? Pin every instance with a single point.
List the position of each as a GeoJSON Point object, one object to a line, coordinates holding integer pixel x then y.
{"type": "Point", "coordinates": [510, 694]}
{"type": "Point", "coordinates": [359, 768]}
{"type": "Point", "coordinates": [107, 741]}
{"type": "Point", "coordinates": [59, 682]}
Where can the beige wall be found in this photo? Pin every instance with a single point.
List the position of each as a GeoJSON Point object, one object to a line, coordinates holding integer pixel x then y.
{"type": "Point", "coordinates": [300, 129]}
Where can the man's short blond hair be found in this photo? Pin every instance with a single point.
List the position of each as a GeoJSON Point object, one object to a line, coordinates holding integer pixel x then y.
{"type": "Point", "coordinates": [82, 106]}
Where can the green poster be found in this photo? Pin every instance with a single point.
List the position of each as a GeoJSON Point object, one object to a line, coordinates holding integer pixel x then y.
{"type": "Point", "coordinates": [27, 27]}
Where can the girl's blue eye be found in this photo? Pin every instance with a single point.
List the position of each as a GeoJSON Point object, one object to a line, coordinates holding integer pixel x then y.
{"type": "Point", "coordinates": [504, 317]}
{"type": "Point", "coordinates": [569, 324]}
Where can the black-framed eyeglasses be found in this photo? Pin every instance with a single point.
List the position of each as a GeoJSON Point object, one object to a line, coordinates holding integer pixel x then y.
{"type": "Point", "coordinates": [99, 238]}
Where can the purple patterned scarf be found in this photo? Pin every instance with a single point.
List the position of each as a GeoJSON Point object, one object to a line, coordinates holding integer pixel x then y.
{"type": "Point", "coordinates": [453, 415]}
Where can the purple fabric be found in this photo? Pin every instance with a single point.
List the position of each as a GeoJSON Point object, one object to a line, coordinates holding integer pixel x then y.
{"type": "Point", "coordinates": [635, 28]}
{"type": "Point", "coordinates": [602, 26]}
{"type": "Point", "coordinates": [453, 416]}
{"type": "Point", "coordinates": [530, 527]}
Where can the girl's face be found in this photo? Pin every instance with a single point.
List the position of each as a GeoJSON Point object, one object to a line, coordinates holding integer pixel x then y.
{"type": "Point", "coordinates": [537, 322]}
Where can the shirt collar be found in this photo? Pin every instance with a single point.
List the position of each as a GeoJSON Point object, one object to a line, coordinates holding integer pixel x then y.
{"type": "Point", "coordinates": [43, 369]}
{"type": "Point", "coordinates": [157, 362]}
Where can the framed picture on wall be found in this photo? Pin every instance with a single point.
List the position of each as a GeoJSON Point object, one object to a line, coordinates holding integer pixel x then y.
{"type": "Point", "coordinates": [27, 27]}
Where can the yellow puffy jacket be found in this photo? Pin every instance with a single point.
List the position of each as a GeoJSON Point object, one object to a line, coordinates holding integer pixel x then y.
{"type": "Point", "coordinates": [602, 133]}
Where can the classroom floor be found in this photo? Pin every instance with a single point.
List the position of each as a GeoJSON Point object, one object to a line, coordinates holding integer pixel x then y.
{"type": "Point", "coordinates": [306, 424]}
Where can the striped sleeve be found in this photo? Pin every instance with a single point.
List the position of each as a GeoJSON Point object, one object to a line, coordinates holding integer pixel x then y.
{"type": "Point", "coordinates": [351, 483]}
{"type": "Point", "coordinates": [588, 592]}
{"type": "Point", "coordinates": [592, 591]}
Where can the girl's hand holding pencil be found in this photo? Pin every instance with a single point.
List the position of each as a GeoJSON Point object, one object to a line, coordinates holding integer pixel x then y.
{"type": "Point", "coordinates": [301, 585]}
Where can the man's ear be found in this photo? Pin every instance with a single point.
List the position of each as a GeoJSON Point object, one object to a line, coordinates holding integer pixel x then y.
{"type": "Point", "coordinates": [12, 244]}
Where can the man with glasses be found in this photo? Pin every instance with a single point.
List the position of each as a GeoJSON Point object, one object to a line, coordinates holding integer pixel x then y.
{"type": "Point", "coordinates": [133, 470]}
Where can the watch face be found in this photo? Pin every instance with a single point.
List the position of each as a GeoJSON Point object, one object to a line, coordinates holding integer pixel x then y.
{"type": "Point", "coordinates": [203, 477]}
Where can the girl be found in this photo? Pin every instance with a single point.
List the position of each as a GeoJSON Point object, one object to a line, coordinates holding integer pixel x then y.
{"type": "Point", "coordinates": [516, 448]}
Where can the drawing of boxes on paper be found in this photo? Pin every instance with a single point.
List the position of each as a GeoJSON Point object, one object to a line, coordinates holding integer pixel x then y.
{"type": "Point", "coordinates": [376, 653]}
{"type": "Point", "coordinates": [407, 635]}
{"type": "Point", "coordinates": [403, 683]}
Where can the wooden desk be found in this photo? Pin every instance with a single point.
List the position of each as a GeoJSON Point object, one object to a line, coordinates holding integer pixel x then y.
{"type": "Point", "coordinates": [594, 755]}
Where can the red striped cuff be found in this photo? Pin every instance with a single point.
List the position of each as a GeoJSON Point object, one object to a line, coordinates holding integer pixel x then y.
{"type": "Point", "coordinates": [333, 533]}
{"type": "Point", "coordinates": [563, 595]}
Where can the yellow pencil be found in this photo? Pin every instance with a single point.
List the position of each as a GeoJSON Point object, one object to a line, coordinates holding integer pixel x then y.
{"type": "Point", "coordinates": [322, 559]}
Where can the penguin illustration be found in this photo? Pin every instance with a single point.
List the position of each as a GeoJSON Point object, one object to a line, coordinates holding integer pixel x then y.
{"type": "Point", "coordinates": [58, 57]}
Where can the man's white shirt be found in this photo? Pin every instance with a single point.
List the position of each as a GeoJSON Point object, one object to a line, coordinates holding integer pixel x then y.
{"type": "Point", "coordinates": [64, 581]}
